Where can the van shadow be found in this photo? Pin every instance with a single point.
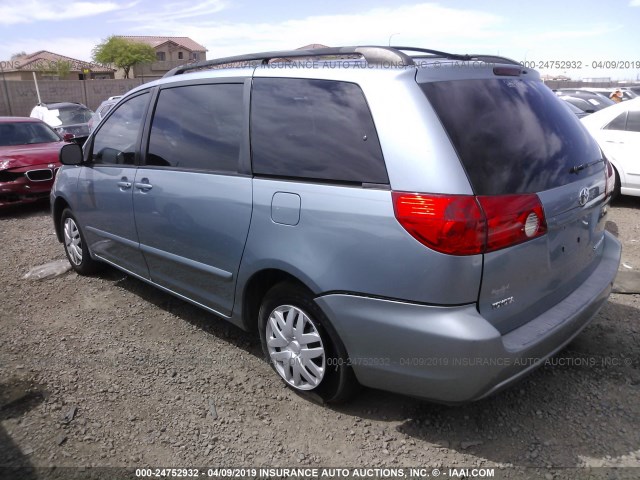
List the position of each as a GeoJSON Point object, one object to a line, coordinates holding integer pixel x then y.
{"type": "Point", "coordinates": [208, 322]}
{"type": "Point", "coordinates": [626, 201]}
{"type": "Point", "coordinates": [16, 398]}
{"type": "Point", "coordinates": [580, 406]}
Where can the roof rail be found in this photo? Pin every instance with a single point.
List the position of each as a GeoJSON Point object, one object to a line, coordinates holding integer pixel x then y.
{"type": "Point", "coordinates": [494, 59]}
{"type": "Point", "coordinates": [463, 57]}
{"type": "Point", "coordinates": [435, 53]}
{"type": "Point", "coordinates": [372, 54]}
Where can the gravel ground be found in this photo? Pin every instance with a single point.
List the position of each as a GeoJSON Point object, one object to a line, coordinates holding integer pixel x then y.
{"type": "Point", "coordinates": [108, 371]}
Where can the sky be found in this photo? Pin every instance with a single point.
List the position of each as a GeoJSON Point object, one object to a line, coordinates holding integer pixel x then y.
{"type": "Point", "coordinates": [590, 33]}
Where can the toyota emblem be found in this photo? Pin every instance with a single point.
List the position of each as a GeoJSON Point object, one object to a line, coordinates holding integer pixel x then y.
{"type": "Point", "coordinates": [583, 197]}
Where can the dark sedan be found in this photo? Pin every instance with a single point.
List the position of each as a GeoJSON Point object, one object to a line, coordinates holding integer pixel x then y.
{"type": "Point", "coordinates": [29, 151]}
{"type": "Point", "coordinates": [587, 102]}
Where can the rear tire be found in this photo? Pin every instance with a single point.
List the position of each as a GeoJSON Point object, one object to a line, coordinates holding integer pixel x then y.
{"type": "Point", "coordinates": [302, 347]}
{"type": "Point", "coordinates": [75, 245]}
{"type": "Point", "coordinates": [616, 189]}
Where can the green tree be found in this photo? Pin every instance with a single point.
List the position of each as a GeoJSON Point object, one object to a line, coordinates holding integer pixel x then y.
{"type": "Point", "coordinates": [61, 68]}
{"type": "Point", "coordinates": [123, 53]}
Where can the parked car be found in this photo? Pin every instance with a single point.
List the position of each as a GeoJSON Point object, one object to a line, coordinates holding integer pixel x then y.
{"type": "Point", "coordinates": [587, 102]}
{"type": "Point", "coordinates": [102, 110]}
{"type": "Point", "coordinates": [617, 131]}
{"type": "Point", "coordinates": [603, 92]}
{"type": "Point", "coordinates": [29, 151]}
{"type": "Point", "coordinates": [64, 117]}
{"type": "Point", "coordinates": [575, 110]}
{"type": "Point", "coordinates": [436, 232]}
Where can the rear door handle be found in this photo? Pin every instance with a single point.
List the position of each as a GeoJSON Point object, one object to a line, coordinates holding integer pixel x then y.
{"type": "Point", "coordinates": [144, 185]}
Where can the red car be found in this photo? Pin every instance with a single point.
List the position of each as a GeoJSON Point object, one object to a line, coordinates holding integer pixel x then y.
{"type": "Point", "coordinates": [29, 151]}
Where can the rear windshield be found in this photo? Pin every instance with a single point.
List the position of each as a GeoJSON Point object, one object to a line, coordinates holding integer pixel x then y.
{"type": "Point", "coordinates": [72, 115]}
{"type": "Point", "coordinates": [512, 135]}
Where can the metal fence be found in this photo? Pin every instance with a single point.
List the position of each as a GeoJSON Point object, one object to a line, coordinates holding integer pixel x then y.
{"type": "Point", "coordinates": [17, 98]}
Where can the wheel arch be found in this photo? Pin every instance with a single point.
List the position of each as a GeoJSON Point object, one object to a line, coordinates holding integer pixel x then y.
{"type": "Point", "coordinates": [58, 207]}
{"type": "Point", "coordinates": [255, 289]}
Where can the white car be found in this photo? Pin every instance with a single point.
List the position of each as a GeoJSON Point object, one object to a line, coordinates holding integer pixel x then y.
{"type": "Point", "coordinates": [617, 131]}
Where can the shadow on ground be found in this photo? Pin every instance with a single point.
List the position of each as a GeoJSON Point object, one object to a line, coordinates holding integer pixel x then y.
{"type": "Point", "coordinates": [579, 406]}
{"type": "Point", "coordinates": [16, 398]}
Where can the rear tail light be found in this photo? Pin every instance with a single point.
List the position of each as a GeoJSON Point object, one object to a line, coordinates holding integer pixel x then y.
{"type": "Point", "coordinates": [469, 225]}
{"type": "Point", "coordinates": [610, 178]}
{"type": "Point", "coordinates": [512, 219]}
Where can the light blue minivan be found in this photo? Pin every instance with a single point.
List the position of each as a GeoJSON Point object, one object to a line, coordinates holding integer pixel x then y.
{"type": "Point", "coordinates": [406, 219]}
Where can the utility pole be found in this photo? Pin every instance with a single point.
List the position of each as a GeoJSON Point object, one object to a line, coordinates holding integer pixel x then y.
{"type": "Point", "coordinates": [6, 90]}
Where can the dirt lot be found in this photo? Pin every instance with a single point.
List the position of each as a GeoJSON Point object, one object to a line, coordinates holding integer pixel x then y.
{"type": "Point", "coordinates": [135, 372]}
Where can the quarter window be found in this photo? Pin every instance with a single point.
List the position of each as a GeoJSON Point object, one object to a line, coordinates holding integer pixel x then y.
{"type": "Point", "coordinates": [197, 127]}
{"type": "Point", "coordinates": [617, 123]}
{"type": "Point", "coordinates": [116, 141]}
{"type": "Point", "coordinates": [633, 122]}
{"type": "Point", "coordinates": [314, 129]}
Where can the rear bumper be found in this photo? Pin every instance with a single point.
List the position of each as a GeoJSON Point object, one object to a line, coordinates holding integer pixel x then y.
{"type": "Point", "coordinates": [452, 354]}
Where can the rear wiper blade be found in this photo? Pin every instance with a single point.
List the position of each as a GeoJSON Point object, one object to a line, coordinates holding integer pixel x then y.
{"type": "Point", "coordinates": [582, 166]}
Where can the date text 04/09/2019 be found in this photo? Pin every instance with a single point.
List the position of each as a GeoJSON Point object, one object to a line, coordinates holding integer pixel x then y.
{"type": "Point", "coordinates": [579, 64]}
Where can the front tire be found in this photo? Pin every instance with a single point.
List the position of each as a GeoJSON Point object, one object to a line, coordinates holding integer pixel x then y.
{"type": "Point", "coordinates": [75, 245]}
{"type": "Point", "coordinates": [302, 347]}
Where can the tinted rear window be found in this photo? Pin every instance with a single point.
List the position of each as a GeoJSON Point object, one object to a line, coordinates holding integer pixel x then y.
{"type": "Point", "coordinates": [72, 115]}
{"type": "Point", "coordinates": [314, 129]}
{"type": "Point", "coordinates": [512, 135]}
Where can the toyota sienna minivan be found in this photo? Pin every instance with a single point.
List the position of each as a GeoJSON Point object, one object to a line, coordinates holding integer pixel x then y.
{"type": "Point", "coordinates": [401, 218]}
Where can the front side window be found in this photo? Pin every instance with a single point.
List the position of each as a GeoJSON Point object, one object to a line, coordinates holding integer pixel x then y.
{"type": "Point", "coordinates": [197, 127]}
{"type": "Point", "coordinates": [116, 141]}
{"type": "Point", "coordinates": [314, 129]}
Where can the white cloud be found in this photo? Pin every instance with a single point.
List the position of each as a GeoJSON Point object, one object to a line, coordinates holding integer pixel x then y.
{"type": "Point", "coordinates": [169, 13]}
{"type": "Point", "coordinates": [30, 11]}
{"type": "Point", "coordinates": [592, 31]}
{"type": "Point", "coordinates": [427, 24]}
{"type": "Point", "coordinates": [634, 3]}
{"type": "Point", "coordinates": [80, 49]}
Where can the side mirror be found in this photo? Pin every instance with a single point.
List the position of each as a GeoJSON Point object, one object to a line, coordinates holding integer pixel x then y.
{"type": "Point", "coordinates": [67, 137]}
{"type": "Point", "coordinates": [71, 154]}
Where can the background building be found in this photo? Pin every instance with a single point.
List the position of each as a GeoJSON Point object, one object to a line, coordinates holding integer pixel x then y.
{"type": "Point", "coordinates": [170, 53]}
{"type": "Point", "coordinates": [53, 66]}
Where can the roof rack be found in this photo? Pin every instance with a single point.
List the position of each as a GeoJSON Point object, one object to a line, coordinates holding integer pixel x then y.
{"type": "Point", "coordinates": [373, 55]}
{"type": "Point", "coordinates": [435, 53]}
{"type": "Point", "coordinates": [463, 57]}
